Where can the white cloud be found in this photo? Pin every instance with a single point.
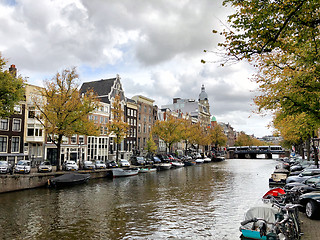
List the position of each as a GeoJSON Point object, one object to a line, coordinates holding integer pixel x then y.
{"type": "Point", "coordinates": [155, 46]}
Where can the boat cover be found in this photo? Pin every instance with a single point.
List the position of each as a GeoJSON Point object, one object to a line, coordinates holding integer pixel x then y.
{"type": "Point", "coordinates": [70, 177]}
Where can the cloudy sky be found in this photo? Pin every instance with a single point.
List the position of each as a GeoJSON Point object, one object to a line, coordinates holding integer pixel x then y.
{"type": "Point", "coordinates": [156, 47]}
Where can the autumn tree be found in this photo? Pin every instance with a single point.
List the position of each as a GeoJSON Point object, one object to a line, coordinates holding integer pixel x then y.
{"type": "Point", "coordinates": [168, 130]}
{"type": "Point", "coordinates": [198, 134]}
{"type": "Point", "coordinates": [187, 132]}
{"type": "Point", "coordinates": [117, 127]}
{"type": "Point", "coordinates": [243, 140]}
{"type": "Point", "coordinates": [151, 146]}
{"type": "Point", "coordinates": [11, 90]}
{"type": "Point", "coordinates": [64, 111]}
{"type": "Point", "coordinates": [281, 39]}
{"type": "Point", "coordinates": [217, 136]}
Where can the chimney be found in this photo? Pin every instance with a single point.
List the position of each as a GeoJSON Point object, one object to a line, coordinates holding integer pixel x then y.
{"type": "Point", "coordinates": [13, 70]}
{"type": "Point", "coordinates": [175, 100]}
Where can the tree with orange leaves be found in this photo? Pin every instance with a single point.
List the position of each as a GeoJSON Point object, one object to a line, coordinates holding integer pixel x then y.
{"type": "Point", "coordinates": [63, 111]}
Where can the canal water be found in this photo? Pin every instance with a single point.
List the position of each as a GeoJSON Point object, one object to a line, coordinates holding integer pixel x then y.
{"type": "Point", "coordinates": [206, 201]}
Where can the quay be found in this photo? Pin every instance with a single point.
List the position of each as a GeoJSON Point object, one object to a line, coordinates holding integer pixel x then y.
{"type": "Point", "coordinates": [16, 182]}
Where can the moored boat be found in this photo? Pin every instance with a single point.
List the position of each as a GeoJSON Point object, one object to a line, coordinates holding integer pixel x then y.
{"type": "Point", "coordinates": [206, 160]}
{"type": "Point", "coordinates": [199, 160]}
{"type": "Point", "coordinates": [147, 170]}
{"type": "Point", "coordinates": [120, 172]}
{"type": "Point", "coordinates": [68, 180]}
{"type": "Point", "coordinates": [177, 164]}
{"type": "Point", "coordinates": [164, 166]}
{"type": "Point", "coordinates": [189, 163]}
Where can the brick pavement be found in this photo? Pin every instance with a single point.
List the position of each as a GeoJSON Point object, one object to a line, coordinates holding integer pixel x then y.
{"type": "Point", "coordinates": [310, 228]}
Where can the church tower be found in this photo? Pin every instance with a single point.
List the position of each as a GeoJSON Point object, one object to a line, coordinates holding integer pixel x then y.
{"type": "Point", "coordinates": [203, 99]}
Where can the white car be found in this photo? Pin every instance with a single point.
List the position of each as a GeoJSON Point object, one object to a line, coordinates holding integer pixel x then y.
{"type": "Point", "coordinates": [5, 167]}
{"type": "Point", "coordinates": [124, 163]}
{"type": "Point", "coordinates": [100, 165]}
{"type": "Point", "coordinates": [23, 166]}
{"type": "Point", "coordinates": [88, 165]}
{"type": "Point", "coordinates": [70, 166]}
{"type": "Point", "coordinates": [45, 167]}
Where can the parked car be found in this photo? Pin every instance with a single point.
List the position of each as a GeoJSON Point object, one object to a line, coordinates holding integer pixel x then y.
{"type": "Point", "coordinates": [137, 160]}
{"type": "Point", "coordinates": [310, 204]}
{"type": "Point", "coordinates": [23, 166]}
{"type": "Point", "coordinates": [100, 165]}
{"type": "Point", "coordinates": [88, 165]}
{"type": "Point", "coordinates": [124, 163]}
{"type": "Point", "coordinates": [156, 159]}
{"type": "Point", "coordinates": [305, 174]}
{"type": "Point", "coordinates": [307, 188]}
{"type": "Point", "coordinates": [308, 181]}
{"type": "Point", "coordinates": [111, 164]}
{"type": "Point", "coordinates": [164, 158]}
{"type": "Point", "coordinates": [70, 166]}
{"type": "Point", "coordinates": [5, 167]}
{"type": "Point", "coordinates": [149, 161]}
{"type": "Point", "coordinates": [45, 167]}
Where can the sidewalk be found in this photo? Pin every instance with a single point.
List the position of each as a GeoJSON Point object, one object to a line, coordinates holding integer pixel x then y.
{"type": "Point", "coordinates": [310, 228]}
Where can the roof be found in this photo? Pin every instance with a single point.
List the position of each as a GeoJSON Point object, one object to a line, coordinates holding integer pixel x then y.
{"type": "Point", "coordinates": [101, 87]}
{"type": "Point", "coordinates": [203, 95]}
{"type": "Point", "coordinates": [213, 119]}
{"type": "Point", "coordinates": [106, 89]}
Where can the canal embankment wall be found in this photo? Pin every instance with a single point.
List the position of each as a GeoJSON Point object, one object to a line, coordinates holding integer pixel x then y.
{"type": "Point", "coordinates": [16, 182]}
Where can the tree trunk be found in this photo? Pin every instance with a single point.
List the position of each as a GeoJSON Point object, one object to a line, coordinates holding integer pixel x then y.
{"type": "Point", "coordinates": [185, 151]}
{"type": "Point", "coordinates": [308, 148]}
{"type": "Point", "coordinates": [117, 153]}
{"type": "Point", "coordinates": [315, 152]}
{"type": "Point", "coordinates": [59, 152]}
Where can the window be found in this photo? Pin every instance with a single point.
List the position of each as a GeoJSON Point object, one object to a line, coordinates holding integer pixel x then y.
{"type": "Point", "coordinates": [15, 144]}
{"type": "Point", "coordinates": [145, 109]}
{"type": "Point", "coordinates": [30, 132]}
{"type": "Point", "coordinates": [101, 119]}
{"type": "Point", "coordinates": [139, 116]}
{"type": "Point", "coordinates": [31, 112]}
{"type": "Point", "coordinates": [4, 123]}
{"type": "Point", "coordinates": [144, 128]}
{"type": "Point", "coordinates": [81, 140]}
{"type": "Point", "coordinates": [74, 139]}
{"type": "Point", "coordinates": [3, 144]}
{"type": "Point", "coordinates": [16, 125]}
{"type": "Point", "coordinates": [17, 108]}
{"type": "Point", "coordinates": [95, 119]}
{"type": "Point", "coordinates": [139, 128]}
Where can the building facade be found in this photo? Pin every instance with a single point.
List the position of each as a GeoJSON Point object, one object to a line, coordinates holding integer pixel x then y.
{"type": "Point", "coordinates": [146, 116]}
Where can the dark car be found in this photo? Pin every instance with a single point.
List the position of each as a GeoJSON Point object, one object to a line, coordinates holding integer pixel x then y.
{"type": "Point", "coordinates": [164, 158]}
{"type": "Point", "coordinates": [111, 164]}
{"type": "Point", "coordinates": [310, 204]}
{"type": "Point", "coordinates": [156, 159]}
{"type": "Point", "coordinates": [305, 174]}
{"type": "Point", "coordinates": [137, 160]}
{"type": "Point", "coordinates": [306, 182]}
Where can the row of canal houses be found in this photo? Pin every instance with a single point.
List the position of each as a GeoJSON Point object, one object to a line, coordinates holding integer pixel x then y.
{"type": "Point", "coordinates": [23, 137]}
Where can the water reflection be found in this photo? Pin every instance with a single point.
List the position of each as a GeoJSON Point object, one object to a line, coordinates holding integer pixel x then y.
{"type": "Point", "coordinates": [205, 201]}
